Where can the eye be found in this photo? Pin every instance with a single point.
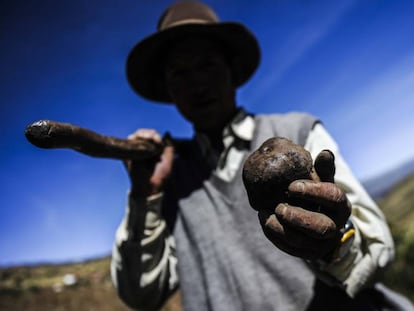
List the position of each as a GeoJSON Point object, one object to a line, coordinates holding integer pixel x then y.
{"type": "Point", "coordinates": [175, 74]}
{"type": "Point", "coordinates": [209, 64]}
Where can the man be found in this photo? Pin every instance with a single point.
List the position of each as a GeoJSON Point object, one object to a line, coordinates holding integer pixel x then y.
{"type": "Point", "coordinates": [188, 223]}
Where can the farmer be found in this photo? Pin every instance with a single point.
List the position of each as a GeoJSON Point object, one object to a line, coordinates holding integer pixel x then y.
{"type": "Point", "coordinates": [188, 223]}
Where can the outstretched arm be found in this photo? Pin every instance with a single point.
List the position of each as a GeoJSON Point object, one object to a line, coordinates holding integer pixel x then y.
{"type": "Point", "coordinates": [372, 247]}
{"type": "Point", "coordinates": [318, 211]}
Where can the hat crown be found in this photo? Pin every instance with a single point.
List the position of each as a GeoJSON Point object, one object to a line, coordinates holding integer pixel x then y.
{"type": "Point", "coordinates": [186, 12]}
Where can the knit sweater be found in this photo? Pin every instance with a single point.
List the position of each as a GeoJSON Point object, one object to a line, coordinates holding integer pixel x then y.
{"type": "Point", "coordinates": [225, 263]}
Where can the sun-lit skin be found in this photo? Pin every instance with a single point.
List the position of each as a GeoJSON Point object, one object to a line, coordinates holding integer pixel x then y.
{"type": "Point", "coordinates": [200, 83]}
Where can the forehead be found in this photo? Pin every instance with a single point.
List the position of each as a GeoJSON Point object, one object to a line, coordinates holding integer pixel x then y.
{"type": "Point", "coordinates": [194, 48]}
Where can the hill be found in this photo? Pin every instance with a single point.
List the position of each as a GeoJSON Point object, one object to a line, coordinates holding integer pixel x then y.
{"type": "Point", "coordinates": [79, 286]}
{"type": "Point", "coordinates": [398, 207]}
{"type": "Point", "coordinates": [379, 186]}
{"type": "Point", "coordinates": [63, 287]}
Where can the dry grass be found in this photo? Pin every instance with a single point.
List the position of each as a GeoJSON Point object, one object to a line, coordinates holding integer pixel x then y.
{"type": "Point", "coordinates": [398, 207]}
{"type": "Point", "coordinates": [39, 288]}
{"type": "Point", "coordinates": [42, 288]}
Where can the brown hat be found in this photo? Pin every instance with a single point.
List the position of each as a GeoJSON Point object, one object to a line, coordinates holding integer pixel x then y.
{"type": "Point", "coordinates": [145, 63]}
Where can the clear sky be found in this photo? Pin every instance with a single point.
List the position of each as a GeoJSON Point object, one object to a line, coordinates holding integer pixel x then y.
{"type": "Point", "coordinates": [350, 63]}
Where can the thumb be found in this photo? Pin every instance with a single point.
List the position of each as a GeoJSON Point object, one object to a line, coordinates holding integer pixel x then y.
{"type": "Point", "coordinates": [325, 165]}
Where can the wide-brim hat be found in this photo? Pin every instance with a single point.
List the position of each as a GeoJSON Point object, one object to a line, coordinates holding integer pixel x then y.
{"type": "Point", "coordinates": [146, 61]}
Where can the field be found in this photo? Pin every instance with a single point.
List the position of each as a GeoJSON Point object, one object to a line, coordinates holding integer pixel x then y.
{"type": "Point", "coordinates": [42, 287]}
{"type": "Point", "coordinates": [52, 287]}
{"type": "Point", "coordinates": [87, 285]}
{"type": "Point", "coordinates": [398, 206]}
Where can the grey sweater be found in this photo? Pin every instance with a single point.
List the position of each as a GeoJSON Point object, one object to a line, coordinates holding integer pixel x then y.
{"type": "Point", "coordinates": [225, 263]}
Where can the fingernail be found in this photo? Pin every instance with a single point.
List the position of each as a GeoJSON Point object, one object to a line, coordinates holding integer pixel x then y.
{"type": "Point", "coordinates": [280, 209]}
{"type": "Point", "coordinates": [300, 186]}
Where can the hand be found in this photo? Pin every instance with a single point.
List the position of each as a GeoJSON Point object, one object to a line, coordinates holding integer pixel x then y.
{"type": "Point", "coordinates": [310, 224]}
{"type": "Point", "coordinates": [148, 176]}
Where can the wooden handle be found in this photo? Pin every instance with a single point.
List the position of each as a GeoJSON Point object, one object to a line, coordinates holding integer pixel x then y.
{"type": "Point", "coordinates": [50, 134]}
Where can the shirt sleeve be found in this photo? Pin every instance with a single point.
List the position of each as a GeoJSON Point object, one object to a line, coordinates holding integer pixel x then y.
{"type": "Point", "coordinates": [372, 247]}
{"type": "Point", "coordinates": [144, 263]}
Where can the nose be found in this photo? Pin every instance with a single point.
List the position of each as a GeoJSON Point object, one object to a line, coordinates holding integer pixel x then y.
{"type": "Point", "coordinates": [196, 81]}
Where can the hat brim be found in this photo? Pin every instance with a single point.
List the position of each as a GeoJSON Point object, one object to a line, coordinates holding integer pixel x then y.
{"type": "Point", "coordinates": [146, 61]}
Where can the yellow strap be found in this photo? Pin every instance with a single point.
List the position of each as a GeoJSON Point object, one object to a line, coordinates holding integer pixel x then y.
{"type": "Point", "coordinates": [347, 235]}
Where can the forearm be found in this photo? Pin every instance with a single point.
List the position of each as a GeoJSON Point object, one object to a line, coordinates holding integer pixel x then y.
{"type": "Point", "coordinates": [372, 247]}
{"type": "Point", "coordinates": [143, 263]}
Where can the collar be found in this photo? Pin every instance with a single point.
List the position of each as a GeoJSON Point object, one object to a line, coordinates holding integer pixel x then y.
{"type": "Point", "coordinates": [241, 128]}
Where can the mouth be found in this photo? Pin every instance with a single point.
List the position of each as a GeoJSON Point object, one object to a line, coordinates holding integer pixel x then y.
{"type": "Point", "coordinates": [203, 102]}
{"type": "Point", "coordinates": [207, 102]}
{"type": "Point", "coordinates": [206, 107]}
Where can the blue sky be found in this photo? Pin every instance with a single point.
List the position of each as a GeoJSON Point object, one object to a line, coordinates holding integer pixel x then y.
{"type": "Point", "coordinates": [351, 63]}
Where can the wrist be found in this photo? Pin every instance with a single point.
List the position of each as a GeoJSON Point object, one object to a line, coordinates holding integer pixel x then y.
{"type": "Point", "coordinates": [344, 244]}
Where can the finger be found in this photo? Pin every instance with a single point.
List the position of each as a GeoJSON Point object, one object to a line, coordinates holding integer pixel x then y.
{"type": "Point", "coordinates": [327, 195]}
{"type": "Point", "coordinates": [323, 193]}
{"type": "Point", "coordinates": [291, 241]}
{"type": "Point", "coordinates": [163, 168]}
{"type": "Point", "coordinates": [325, 165]}
{"type": "Point", "coordinates": [316, 225]}
{"type": "Point", "coordinates": [146, 134]}
{"type": "Point", "coordinates": [168, 152]}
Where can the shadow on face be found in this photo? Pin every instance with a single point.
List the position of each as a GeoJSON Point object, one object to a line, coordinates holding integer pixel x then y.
{"type": "Point", "coordinates": [199, 80]}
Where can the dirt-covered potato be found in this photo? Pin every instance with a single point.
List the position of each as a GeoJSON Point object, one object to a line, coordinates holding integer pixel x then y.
{"type": "Point", "coordinates": [269, 170]}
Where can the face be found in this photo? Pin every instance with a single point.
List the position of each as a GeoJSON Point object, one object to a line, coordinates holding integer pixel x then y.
{"type": "Point", "coordinates": [199, 81]}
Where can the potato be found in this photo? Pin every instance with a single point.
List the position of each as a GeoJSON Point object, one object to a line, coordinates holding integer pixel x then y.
{"type": "Point", "coordinates": [269, 170]}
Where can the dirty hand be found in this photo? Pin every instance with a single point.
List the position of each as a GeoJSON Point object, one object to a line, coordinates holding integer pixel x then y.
{"type": "Point", "coordinates": [148, 176]}
{"type": "Point", "coordinates": [310, 224]}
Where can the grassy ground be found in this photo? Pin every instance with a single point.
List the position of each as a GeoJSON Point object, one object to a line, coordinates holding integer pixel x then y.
{"type": "Point", "coordinates": [40, 288]}
{"type": "Point", "coordinates": [398, 206]}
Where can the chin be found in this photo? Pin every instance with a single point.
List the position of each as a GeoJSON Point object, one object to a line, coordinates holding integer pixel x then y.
{"type": "Point", "coordinates": [210, 127]}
